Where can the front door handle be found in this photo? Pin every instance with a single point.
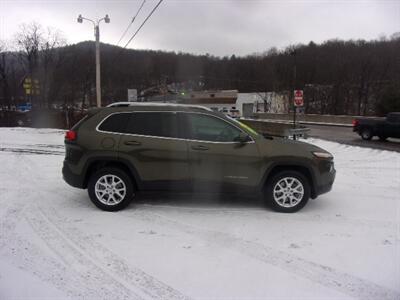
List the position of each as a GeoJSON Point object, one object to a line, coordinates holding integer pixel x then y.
{"type": "Point", "coordinates": [132, 143]}
{"type": "Point", "coordinates": [200, 147]}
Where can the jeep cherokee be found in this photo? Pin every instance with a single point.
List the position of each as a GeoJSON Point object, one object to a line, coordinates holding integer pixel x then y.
{"type": "Point", "coordinates": [118, 151]}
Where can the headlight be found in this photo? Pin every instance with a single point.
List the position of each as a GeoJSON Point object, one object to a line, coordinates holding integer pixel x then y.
{"type": "Point", "coordinates": [325, 155]}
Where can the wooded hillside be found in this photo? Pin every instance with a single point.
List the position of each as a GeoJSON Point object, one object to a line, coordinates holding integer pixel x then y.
{"type": "Point", "coordinates": [339, 77]}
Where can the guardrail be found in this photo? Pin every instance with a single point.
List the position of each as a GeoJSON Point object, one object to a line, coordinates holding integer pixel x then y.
{"type": "Point", "coordinates": [281, 129]}
{"type": "Point", "coordinates": [333, 120]}
{"type": "Point", "coordinates": [298, 132]}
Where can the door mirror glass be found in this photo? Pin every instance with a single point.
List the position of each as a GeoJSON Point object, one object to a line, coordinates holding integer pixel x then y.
{"type": "Point", "coordinates": [242, 138]}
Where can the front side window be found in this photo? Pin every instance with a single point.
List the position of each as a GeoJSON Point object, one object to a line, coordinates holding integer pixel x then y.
{"type": "Point", "coordinates": [209, 128]}
{"type": "Point", "coordinates": [157, 124]}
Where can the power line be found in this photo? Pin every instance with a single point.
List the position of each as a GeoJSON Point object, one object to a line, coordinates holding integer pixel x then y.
{"type": "Point", "coordinates": [130, 24]}
{"type": "Point", "coordinates": [144, 22]}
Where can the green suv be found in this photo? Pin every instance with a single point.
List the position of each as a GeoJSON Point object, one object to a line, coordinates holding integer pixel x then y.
{"type": "Point", "coordinates": [116, 152]}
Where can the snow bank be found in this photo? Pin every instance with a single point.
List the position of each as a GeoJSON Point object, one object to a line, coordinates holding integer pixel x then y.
{"type": "Point", "coordinates": [55, 244]}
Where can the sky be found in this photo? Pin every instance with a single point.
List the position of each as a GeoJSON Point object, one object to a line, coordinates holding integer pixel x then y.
{"type": "Point", "coordinates": [216, 27]}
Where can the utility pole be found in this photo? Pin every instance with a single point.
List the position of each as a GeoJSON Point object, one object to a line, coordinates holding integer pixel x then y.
{"type": "Point", "coordinates": [294, 88]}
{"type": "Point", "coordinates": [97, 37]}
{"type": "Point", "coordinates": [292, 92]}
{"type": "Point", "coordinates": [98, 81]}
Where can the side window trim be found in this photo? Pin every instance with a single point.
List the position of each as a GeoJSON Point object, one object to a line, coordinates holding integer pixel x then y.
{"type": "Point", "coordinates": [182, 134]}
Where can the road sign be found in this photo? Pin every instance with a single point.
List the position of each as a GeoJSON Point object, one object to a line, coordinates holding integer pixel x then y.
{"type": "Point", "coordinates": [298, 98]}
{"type": "Point", "coordinates": [31, 87]}
{"type": "Point", "coordinates": [132, 95]}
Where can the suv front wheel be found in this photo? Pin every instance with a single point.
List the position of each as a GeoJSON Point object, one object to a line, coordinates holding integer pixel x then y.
{"type": "Point", "coordinates": [110, 189]}
{"type": "Point", "coordinates": [287, 191]}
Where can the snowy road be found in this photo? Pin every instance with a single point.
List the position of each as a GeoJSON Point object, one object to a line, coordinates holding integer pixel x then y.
{"type": "Point", "coordinates": [345, 135]}
{"type": "Point", "coordinates": [55, 244]}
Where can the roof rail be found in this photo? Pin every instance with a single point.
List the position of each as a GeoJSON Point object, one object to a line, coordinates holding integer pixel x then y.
{"type": "Point", "coordinates": [126, 104]}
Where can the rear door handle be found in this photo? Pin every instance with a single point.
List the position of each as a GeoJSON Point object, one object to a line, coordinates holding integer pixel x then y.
{"type": "Point", "coordinates": [132, 143]}
{"type": "Point", "coordinates": [200, 147]}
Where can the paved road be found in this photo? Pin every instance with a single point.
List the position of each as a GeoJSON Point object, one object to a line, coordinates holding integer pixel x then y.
{"type": "Point", "coordinates": [346, 135]}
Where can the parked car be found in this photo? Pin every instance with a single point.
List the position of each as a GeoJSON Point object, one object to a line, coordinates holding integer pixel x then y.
{"type": "Point", "coordinates": [12, 118]}
{"type": "Point", "coordinates": [117, 152]}
{"type": "Point", "coordinates": [382, 128]}
{"type": "Point", "coordinates": [224, 111]}
{"type": "Point", "coordinates": [232, 112]}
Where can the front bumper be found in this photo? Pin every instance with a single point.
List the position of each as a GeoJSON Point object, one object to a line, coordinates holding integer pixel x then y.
{"type": "Point", "coordinates": [327, 183]}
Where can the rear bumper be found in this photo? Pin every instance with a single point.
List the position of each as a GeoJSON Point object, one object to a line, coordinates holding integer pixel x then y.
{"type": "Point", "coordinates": [71, 178]}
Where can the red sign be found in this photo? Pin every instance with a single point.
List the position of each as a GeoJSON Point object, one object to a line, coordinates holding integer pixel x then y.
{"type": "Point", "coordinates": [298, 98]}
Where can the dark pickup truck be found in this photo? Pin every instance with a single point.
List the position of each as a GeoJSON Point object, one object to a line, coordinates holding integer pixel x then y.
{"type": "Point", "coordinates": [380, 127]}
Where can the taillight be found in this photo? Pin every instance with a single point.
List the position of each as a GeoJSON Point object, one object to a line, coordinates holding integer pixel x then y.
{"type": "Point", "coordinates": [355, 122]}
{"type": "Point", "coordinates": [70, 135]}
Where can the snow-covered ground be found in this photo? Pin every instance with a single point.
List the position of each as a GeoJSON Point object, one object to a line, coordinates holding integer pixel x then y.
{"type": "Point", "coordinates": [55, 244]}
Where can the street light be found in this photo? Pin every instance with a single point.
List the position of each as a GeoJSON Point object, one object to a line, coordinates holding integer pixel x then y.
{"type": "Point", "coordinates": [97, 36]}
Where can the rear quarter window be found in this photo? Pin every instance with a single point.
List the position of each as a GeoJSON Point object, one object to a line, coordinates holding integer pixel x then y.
{"type": "Point", "coordinates": [115, 123]}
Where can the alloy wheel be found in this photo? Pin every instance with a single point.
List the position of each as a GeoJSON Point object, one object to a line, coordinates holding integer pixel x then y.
{"type": "Point", "coordinates": [110, 189]}
{"type": "Point", "coordinates": [288, 192]}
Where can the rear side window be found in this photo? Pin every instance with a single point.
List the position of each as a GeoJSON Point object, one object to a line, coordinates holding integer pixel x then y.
{"type": "Point", "coordinates": [393, 118]}
{"type": "Point", "coordinates": [115, 123]}
{"type": "Point", "coordinates": [157, 124]}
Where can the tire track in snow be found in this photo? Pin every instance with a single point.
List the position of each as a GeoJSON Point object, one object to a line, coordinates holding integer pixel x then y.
{"type": "Point", "coordinates": [263, 213]}
{"type": "Point", "coordinates": [147, 284]}
{"type": "Point", "coordinates": [324, 275]}
{"type": "Point", "coordinates": [28, 257]}
{"type": "Point", "coordinates": [31, 258]}
{"type": "Point", "coordinates": [31, 151]}
{"type": "Point", "coordinates": [8, 224]}
{"type": "Point", "coordinates": [94, 281]}
{"type": "Point", "coordinates": [14, 197]}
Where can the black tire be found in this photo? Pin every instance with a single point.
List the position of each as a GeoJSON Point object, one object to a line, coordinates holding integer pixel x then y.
{"type": "Point", "coordinates": [272, 184]}
{"type": "Point", "coordinates": [124, 182]}
{"type": "Point", "coordinates": [383, 138]}
{"type": "Point", "coordinates": [366, 134]}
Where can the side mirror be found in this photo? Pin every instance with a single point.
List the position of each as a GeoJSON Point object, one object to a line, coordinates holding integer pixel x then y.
{"type": "Point", "coordinates": [242, 138]}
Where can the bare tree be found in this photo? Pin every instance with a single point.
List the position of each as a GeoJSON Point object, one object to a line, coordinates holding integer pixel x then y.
{"type": "Point", "coordinates": [38, 55]}
{"type": "Point", "coordinates": [28, 42]}
{"type": "Point", "coordinates": [50, 59]}
{"type": "Point", "coordinates": [4, 75]}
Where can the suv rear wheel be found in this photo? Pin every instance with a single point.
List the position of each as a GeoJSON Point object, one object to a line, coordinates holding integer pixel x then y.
{"type": "Point", "coordinates": [383, 138]}
{"type": "Point", "coordinates": [110, 189]}
{"type": "Point", "coordinates": [287, 191]}
{"type": "Point", "coordinates": [366, 134]}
